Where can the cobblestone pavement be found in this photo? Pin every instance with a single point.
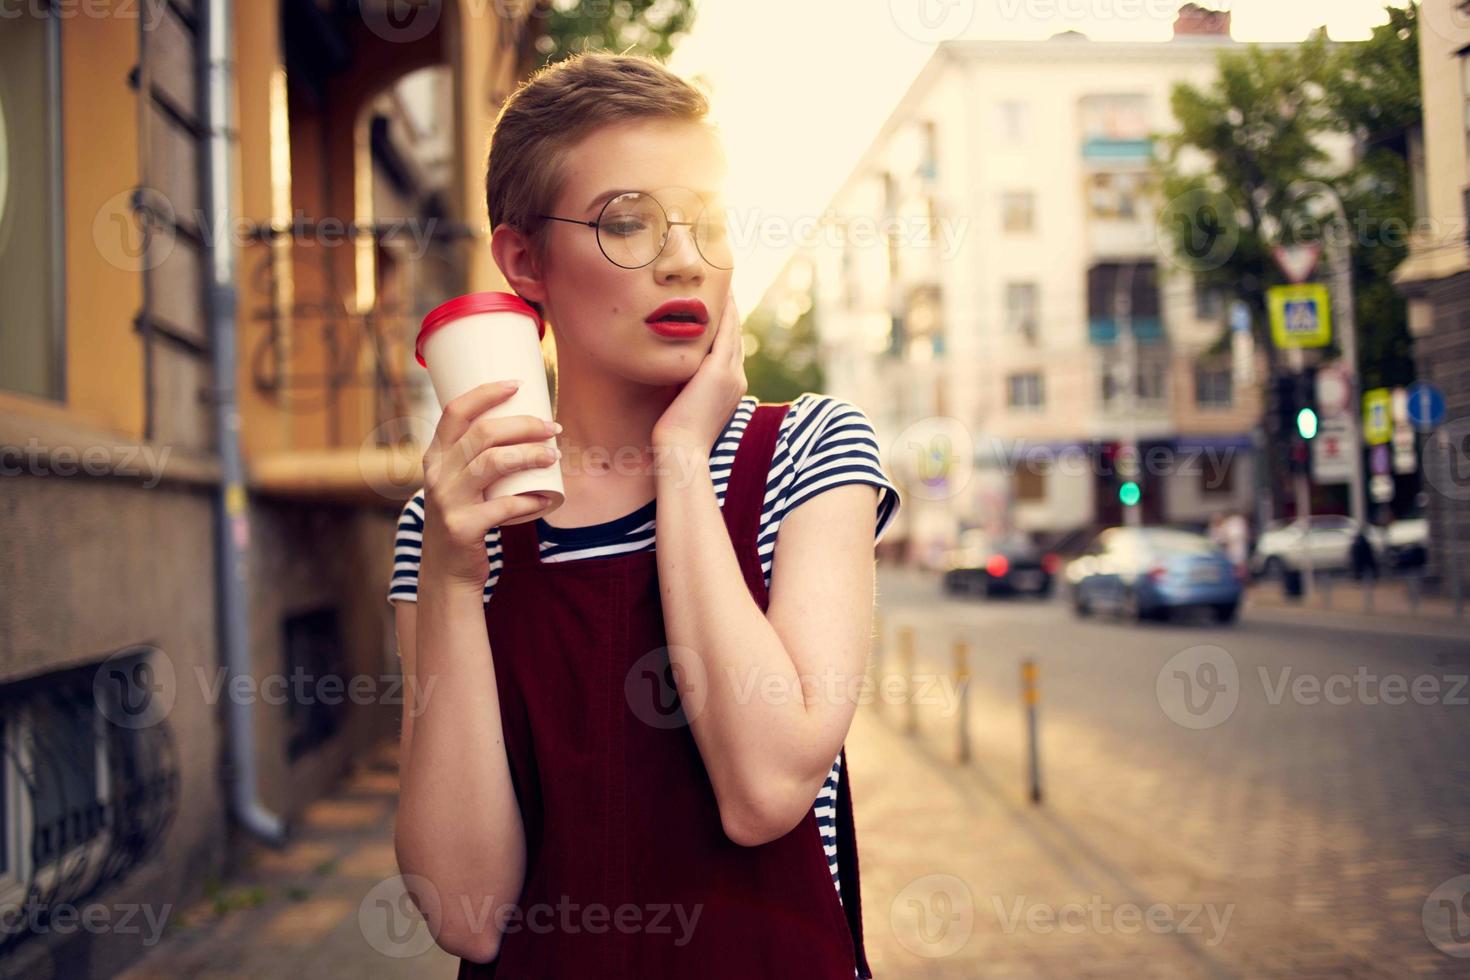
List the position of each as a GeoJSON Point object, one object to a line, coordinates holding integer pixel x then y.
{"type": "Point", "coordinates": [1285, 837]}
{"type": "Point", "coordinates": [1323, 798]}
{"type": "Point", "coordinates": [329, 905]}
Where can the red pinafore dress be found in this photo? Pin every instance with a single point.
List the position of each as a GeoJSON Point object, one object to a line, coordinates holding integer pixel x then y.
{"type": "Point", "coordinates": [629, 873]}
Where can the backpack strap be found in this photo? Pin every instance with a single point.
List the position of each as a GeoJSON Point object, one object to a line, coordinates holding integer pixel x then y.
{"type": "Point", "coordinates": [745, 494]}
{"type": "Point", "coordinates": [847, 866]}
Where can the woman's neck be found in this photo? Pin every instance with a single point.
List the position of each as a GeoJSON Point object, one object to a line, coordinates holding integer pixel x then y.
{"type": "Point", "coordinates": [608, 422]}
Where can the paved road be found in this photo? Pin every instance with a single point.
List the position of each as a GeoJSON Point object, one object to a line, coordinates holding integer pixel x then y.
{"type": "Point", "coordinates": [1216, 831]}
{"type": "Point", "coordinates": [1311, 778]}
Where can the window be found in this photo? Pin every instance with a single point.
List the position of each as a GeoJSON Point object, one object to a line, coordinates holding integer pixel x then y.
{"type": "Point", "coordinates": [1124, 296]}
{"type": "Point", "coordinates": [1218, 479]}
{"type": "Point", "coordinates": [1018, 211]}
{"type": "Point", "coordinates": [1110, 282]}
{"type": "Point", "coordinates": [1213, 386]}
{"type": "Point", "coordinates": [1012, 119]}
{"type": "Point", "coordinates": [313, 643]}
{"type": "Point", "coordinates": [1465, 94]}
{"type": "Point", "coordinates": [1024, 391]}
{"type": "Point", "coordinates": [1152, 379]}
{"type": "Point", "coordinates": [1021, 309]}
{"type": "Point", "coordinates": [1116, 196]}
{"type": "Point", "coordinates": [1115, 117]}
{"type": "Point", "coordinates": [88, 780]}
{"type": "Point", "coordinates": [1209, 303]}
{"type": "Point", "coordinates": [31, 288]}
{"type": "Point", "coordinates": [929, 162]}
{"type": "Point", "coordinates": [1029, 483]}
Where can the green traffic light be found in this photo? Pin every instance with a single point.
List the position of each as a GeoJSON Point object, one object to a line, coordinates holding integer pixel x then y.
{"type": "Point", "coordinates": [1306, 423]}
{"type": "Point", "coordinates": [1129, 494]}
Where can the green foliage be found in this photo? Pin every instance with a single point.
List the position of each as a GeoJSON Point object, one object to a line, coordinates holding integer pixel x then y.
{"type": "Point", "coordinates": [648, 27]}
{"type": "Point", "coordinates": [784, 363]}
{"type": "Point", "coordinates": [1256, 130]}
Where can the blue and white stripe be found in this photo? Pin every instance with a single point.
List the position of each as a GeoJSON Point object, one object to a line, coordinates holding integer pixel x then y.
{"type": "Point", "coordinates": [823, 442]}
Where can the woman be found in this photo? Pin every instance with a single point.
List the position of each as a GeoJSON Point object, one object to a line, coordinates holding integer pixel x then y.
{"type": "Point", "coordinates": [624, 754]}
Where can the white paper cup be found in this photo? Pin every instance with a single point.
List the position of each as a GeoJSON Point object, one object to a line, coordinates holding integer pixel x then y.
{"type": "Point", "coordinates": [494, 336]}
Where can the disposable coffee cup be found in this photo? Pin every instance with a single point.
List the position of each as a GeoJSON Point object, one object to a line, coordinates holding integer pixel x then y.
{"type": "Point", "coordinates": [494, 336]}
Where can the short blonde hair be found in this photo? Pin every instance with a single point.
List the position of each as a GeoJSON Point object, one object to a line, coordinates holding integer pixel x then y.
{"type": "Point", "coordinates": [555, 108]}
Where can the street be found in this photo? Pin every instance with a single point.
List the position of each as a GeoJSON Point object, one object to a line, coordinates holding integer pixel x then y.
{"type": "Point", "coordinates": [1296, 811]}
{"type": "Point", "coordinates": [1295, 788]}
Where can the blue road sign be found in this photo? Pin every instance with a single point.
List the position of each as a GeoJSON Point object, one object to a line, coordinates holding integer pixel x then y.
{"type": "Point", "coordinates": [1426, 405]}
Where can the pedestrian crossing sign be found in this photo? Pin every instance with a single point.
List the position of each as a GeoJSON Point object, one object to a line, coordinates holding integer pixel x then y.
{"type": "Point", "coordinates": [1301, 315]}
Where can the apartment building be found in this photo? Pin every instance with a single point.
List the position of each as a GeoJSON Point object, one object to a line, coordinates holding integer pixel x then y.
{"type": "Point", "coordinates": [986, 262]}
{"type": "Point", "coordinates": [1436, 280]}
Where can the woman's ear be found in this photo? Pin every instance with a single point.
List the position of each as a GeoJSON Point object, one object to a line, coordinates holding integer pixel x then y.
{"type": "Point", "coordinates": [515, 256]}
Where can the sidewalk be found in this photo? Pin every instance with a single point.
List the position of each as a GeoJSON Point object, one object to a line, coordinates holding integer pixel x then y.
{"type": "Point", "coordinates": [1397, 598]}
{"type": "Point", "coordinates": [328, 906]}
{"type": "Point", "coordinates": [961, 877]}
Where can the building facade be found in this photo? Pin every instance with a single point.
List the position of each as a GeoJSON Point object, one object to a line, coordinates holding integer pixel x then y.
{"type": "Point", "coordinates": [1436, 279]}
{"type": "Point", "coordinates": [1000, 260]}
{"type": "Point", "coordinates": [189, 652]}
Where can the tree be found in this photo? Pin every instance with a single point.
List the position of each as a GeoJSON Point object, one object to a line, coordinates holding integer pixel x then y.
{"type": "Point", "coordinates": [1377, 99]}
{"type": "Point", "coordinates": [784, 361]}
{"type": "Point", "coordinates": [649, 27]}
{"type": "Point", "coordinates": [1257, 131]}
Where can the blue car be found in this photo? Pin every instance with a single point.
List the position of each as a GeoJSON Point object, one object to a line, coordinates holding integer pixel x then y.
{"type": "Point", "coordinates": [1148, 572]}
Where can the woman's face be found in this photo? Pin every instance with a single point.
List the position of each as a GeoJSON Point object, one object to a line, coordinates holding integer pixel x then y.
{"type": "Point", "coordinates": [598, 309]}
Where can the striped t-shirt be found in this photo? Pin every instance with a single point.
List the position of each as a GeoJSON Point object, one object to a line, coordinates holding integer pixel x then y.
{"type": "Point", "coordinates": [823, 442]}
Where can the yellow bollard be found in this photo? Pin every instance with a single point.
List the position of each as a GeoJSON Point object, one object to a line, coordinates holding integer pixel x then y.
{"type": "Point", "coordinates": [962, 679]}
{"type": "Point", "coordinates": [906, 662]}
{"type": "Point", "coordinates": [1029, 697]}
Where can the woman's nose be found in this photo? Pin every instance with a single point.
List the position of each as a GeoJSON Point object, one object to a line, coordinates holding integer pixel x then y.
{"type": "Point", "coordinates": [680, 256]}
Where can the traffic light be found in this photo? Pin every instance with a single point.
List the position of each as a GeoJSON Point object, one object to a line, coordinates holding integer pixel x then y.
{"type": "Point", "coordinates": [1306, 403]}
{"type": "Point", "coordinates": [1129, 493]}
{"type": "Point", "coordinates": [1284, 407]}
{"type": "Point", "coordinates": [1306, 423]}
{"type": "Point", "coordinates": [1298, 438]}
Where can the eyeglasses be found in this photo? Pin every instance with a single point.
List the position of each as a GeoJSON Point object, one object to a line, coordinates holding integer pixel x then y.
{"type": "Point", "coordinates": [633, 228]}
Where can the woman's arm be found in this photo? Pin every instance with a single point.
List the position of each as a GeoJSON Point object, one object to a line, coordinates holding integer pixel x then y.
{"type": "Point", "coordinates": [459, 826]}
{"type": "Point", "coordinates": [459, 832]}
{"type": "Point", "coordinates": [779, 687]}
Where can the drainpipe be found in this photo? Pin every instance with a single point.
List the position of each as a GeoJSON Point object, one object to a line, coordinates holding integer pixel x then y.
{"type": "Point", "coordinates": [232, 519]}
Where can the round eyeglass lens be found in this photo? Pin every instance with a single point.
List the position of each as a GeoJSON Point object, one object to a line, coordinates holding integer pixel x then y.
{"type": "Point", "coordinates": [634, 227]}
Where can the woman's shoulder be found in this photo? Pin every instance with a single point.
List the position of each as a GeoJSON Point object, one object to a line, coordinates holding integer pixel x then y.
{"type": "Point", "coordinates": [827, 441]}
{"type": "Point", "coordinates": [813, 417]}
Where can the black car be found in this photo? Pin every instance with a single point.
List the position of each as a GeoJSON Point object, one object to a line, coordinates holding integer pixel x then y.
{"type": "Point", "coordinates": [992, 565]}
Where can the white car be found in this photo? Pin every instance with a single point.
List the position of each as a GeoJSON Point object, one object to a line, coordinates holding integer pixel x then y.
{"type": "Point", "coordinates": [1285, 546]}
{"type": "Point", "coordinates": [1407, 542]}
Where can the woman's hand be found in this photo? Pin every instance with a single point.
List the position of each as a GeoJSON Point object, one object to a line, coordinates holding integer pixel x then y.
{"type": "Point", "coordinates": [470, 451]}
{"type": "Point", "coordinates": [697, 415]}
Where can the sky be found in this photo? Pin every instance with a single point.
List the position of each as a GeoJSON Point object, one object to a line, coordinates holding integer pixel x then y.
{"type": "Point", "coordinates": [779, 68]}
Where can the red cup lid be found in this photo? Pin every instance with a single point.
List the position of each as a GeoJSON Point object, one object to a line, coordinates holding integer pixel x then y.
{"type": "Point", "coordinates": [488, 302]}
